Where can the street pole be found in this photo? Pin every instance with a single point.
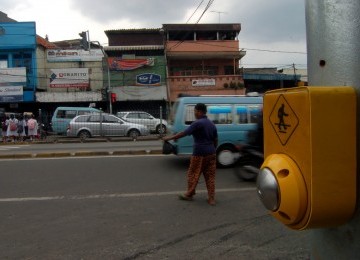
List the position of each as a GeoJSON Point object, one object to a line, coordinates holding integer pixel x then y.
{"type": "Point", "coordinates": [108, 89]}
{"type": "Point", "coordinates": [168, 93]}
{"type": "Point", "coordinates": [88, 38]}
{"type": "Point", "coordinates": [109, 86]}
{"type": "Point", "coordinates": [333, 52]}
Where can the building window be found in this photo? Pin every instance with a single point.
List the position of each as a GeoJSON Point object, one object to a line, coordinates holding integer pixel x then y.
{"type": "Point", "coordinates": [3, 61]}
{"type": "Point", "coordinates": [229, 70]}
{"type": "Point", "coordinates": [24, 59]}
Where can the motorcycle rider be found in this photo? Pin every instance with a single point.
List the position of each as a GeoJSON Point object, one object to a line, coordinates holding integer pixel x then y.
{"type": "Point", "coordinates": [252, 154]}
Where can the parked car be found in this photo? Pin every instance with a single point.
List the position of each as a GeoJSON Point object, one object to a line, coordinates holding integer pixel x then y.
{"type": "Point", "coordinates": [90, 125]}
{"type": "Point", "coordinates": [140, 117]}
{"type": "Point", "coordinates": [63, 115]}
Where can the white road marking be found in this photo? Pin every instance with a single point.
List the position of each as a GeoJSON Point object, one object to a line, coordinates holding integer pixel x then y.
{"type": "Point", "coordinates": [116, 195]}
{"type": "Point", "coordinates": [8, 147]}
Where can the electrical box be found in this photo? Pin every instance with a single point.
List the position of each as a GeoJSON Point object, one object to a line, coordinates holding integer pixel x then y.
{"type": "Point", "coordinates": [308, 178]}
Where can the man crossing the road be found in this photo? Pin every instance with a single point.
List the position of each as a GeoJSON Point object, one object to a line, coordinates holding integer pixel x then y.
{"type": "Point", "coordinates": [203, 159]}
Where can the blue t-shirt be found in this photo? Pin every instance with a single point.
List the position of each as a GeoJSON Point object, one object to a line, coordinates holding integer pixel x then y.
{"type": "Point", "coordinates": [204, 133]}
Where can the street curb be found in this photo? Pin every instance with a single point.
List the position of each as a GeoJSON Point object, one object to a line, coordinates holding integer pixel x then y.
{"type": "Point", "coordinates": [60, 139]}
{"type": "Point", "coordinates": [79, 154]}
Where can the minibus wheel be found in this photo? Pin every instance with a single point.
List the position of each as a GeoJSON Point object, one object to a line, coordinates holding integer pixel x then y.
{"type": "Point", "coordinates": [226, 156]}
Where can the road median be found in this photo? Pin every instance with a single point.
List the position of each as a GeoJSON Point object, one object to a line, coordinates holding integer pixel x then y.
{"type": "Point", "coordinates": [79, 154]}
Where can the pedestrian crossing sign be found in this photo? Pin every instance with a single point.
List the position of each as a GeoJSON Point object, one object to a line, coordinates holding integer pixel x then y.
{"type": "Point", "coordinates": [283, 120]}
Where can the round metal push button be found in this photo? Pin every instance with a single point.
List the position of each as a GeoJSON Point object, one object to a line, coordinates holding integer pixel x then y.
{"type": "Point", "coordinates": [268, 189]}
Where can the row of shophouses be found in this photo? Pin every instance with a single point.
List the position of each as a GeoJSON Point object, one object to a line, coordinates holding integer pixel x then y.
{"type": "Point", "coordinates": [140, 69]}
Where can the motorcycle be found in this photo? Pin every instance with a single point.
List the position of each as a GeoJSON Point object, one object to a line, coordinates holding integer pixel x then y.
{"type": "Point", "coordinates": [250, 160]}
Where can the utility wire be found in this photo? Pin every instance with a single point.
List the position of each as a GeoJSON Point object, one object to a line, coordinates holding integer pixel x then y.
{"type": "Point", "coordinates": [195, 11]}
{"type": "Point", "coordinates": [206, 8]}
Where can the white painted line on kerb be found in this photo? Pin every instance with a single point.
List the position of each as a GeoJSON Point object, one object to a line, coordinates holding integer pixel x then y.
{"type": "Point", "coordinates": [80, 157]}
{"type": "Point", "coordinates": [5, 148]}
{"type": "Point", "coordinates": [114, 195]}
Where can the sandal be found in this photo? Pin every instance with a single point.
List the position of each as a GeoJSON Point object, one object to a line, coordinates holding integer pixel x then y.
{"type": "Point", "coordinates": [184, 197]}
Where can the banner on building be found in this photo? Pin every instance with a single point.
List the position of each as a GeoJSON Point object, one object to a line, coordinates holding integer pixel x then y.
{"type": "Point", "coordinates": [11, 94]}
{"type": "Point", "coordinates": [69, 78]}
{"type": "Point", "coordinates": [203, 82]}
{"type": "Point", "coordinates": [12, 81]}
{"type": "Point", "coordinates": [125, 64]}
{"type": "Point", "coordinates": [13, 76]}
{"type": "Point", "coordinates": [148, 79]}
{"type": "Point", "coordinates": [74, 55]}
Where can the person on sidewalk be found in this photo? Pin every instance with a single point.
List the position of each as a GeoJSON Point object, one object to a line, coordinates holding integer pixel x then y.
{"type": "Point", "coordinates": [4, 128]}
{"type": "Point", "coordinates": [12, 127]}
{"type": "Point", "coordinates": [21, 129]}
{"type": "Point", "coordinates": [203, 159]}
{"type": "Point", "coordinates": [32, 125]}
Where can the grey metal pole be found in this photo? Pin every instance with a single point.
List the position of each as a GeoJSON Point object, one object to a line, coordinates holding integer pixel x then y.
{"type": "Point", "coordinates": [88, 36]}
{"type": "Point", "coordinates": [333, 43]}
{"type": "Point", "coordinates": [101, 123]}
{"type": "Point", "coordinates": [108, 90]}
{"type": "Point", "coordinates": [109, 87]}
{"type": "Point", "coordinates": [161, 121]}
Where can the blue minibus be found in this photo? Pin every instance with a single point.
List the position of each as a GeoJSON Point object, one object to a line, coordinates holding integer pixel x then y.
{"type": "Point", "coordinates": [234, 117]}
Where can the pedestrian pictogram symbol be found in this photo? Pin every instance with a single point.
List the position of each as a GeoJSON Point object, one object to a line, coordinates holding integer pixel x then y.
{"type": "Point", "coordinates": [283, 120]}
{"type": "Point", "coordinates": [281, 114]}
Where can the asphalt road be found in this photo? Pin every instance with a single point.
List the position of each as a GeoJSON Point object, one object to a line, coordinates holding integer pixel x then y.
{"type": "Point", "coordinates": [126, 207]}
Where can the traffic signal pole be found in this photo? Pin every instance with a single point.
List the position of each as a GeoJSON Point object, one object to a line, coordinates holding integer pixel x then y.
{"type": "Point", "coordinates": [108, 89]}
{"type": "Point", "coordinates": [333, 57]}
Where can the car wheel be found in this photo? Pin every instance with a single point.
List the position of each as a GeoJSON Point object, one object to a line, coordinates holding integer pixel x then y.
{"type": "Point", "coordinates": [226, 156]}
{"type": "Point", "coordinates": [161, 129]}
{"type": "Point", "coordinates": [83, 135]}
{"type": "Point", "coordinates": [133, 133]}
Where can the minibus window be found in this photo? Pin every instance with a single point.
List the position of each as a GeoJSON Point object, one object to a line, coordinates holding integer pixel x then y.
{"type": "Point", "coordinates": [255, 113]}
{"type": "Point", "coordinates": [220, 114]}
{"type": "Point", "coordinates": [173, 112]}
{"type": "Point", "coordinates": [85, 112]}
{"type": "Point", "coordinates": [60, 114]}
{"type": "Point", "coordinates": [189, 114]}
{"type": "Point", "coordinates": [70, 114]}
{"type": "Point", "coordinates": [241, 114]}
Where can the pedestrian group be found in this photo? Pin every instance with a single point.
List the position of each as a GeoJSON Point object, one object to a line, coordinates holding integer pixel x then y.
{"type": "Point", "coordinates": [18, 129]}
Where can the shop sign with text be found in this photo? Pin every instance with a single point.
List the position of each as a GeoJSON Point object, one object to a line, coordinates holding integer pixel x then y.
{"type": "Point", "coordinates": [69, 78]}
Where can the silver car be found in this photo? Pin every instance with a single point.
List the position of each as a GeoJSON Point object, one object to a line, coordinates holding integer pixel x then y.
{"type": "Point", "coordinates": [101, 124]}
{"type": "Point", "coordinates": [140, 117]}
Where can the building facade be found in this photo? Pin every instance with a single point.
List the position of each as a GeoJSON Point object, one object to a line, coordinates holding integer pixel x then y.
{"type": "Point", "coordinates": [69, 76]}
{"type": "Point", "coordinates": [137, 70]}
{"type": "Point", "coordinates": [18, 67]}
{"type": "Point", "coordinates": [141, 69]}
{"type": "Point", "coordinates": [203, 59]}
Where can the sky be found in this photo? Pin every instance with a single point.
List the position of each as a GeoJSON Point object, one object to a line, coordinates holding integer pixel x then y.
{"type": "Point", "coordinates": [272, 32]}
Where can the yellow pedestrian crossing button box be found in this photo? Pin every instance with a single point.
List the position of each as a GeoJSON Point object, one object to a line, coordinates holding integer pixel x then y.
{"type": "Point", "coordinates": [308, 178]}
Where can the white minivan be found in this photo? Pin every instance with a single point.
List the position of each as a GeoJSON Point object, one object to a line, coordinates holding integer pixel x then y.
{"type": "Point", "coordinates": [139, 117]}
